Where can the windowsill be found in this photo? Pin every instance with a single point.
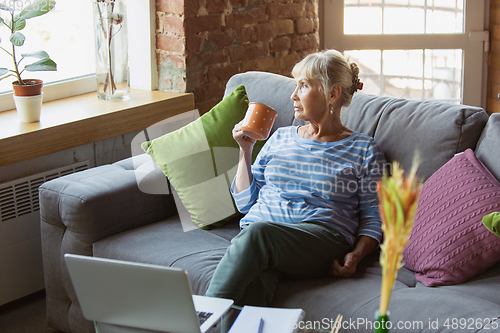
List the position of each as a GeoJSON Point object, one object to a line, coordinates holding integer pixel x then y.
{"type": "Point", "coordinates": [83, 119]}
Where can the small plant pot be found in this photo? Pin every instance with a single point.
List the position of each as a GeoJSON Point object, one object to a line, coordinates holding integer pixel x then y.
{"type": "Point", "coordinates": [31, 87]}
{"type": "Point", "coordinates": [29, 107]}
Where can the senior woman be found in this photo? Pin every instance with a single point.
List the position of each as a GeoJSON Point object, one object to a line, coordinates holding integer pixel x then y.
{"type": "Point", "coordinates": [310, 197]}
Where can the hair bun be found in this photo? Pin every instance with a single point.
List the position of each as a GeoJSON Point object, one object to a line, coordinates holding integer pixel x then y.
{"type": "Point", "coordinates": [356, 84]}
{"type": "Point", "coordinates": [354, 69]}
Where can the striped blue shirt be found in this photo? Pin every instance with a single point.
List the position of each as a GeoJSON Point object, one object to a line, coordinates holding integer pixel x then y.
{"type": "Point", "coordinates": [297, 179]}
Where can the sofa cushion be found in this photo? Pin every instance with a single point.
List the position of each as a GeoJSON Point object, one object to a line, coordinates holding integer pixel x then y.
{"type": "Point", "coordinates": [371, 265]}
{"type": "Point", "coordinates": [487, 146]}
{"type": "Point", "coordinates": [200, 160]}
{"type": "Point", "coordinates": [483, 286]}
{"type": "Point", "coordinates": [448, 243]}
{"type": "Point", "coordinates": [429, 310]}
{"type": "Point", "coordinates": [400, 127]}
{"type": "Point", "coordinates": [358, 298]}
{"type": "Point", "coordinates": [166, 243]}
{"type": "Point", "coordinates": [327, 297]}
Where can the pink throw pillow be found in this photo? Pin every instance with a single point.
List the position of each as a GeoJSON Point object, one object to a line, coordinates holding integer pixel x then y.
{"type": "Point", "coordinates": [449, 244]}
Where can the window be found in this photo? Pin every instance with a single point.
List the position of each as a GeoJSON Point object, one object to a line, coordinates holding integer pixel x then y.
{"type": "Point", "coordinates": [420, 49]}
{"type": "Point", "coordinates": [66, 34]}
{"type": "Point", "coordinates": [414, 74]}
{"type": "Point", "coordinates": [403, 17]}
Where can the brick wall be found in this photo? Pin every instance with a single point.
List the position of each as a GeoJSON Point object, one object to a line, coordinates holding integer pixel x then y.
{"type": "Point", "coordinates": [493, 102]}
{"type": "Point", "coordinates": [202, 43]}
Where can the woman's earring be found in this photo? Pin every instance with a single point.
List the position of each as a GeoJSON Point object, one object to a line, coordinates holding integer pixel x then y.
{"type": "Point", "coordinates": [331, 110]}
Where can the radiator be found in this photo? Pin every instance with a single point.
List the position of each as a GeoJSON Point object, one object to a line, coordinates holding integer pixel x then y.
{"type": "Point", "coordinates": [21, 268]}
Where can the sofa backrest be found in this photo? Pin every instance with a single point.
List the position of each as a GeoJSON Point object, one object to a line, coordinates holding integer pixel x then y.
{"type": "Point", "coordinates": [488, 146]}
{"type": "Point", "coordinates": [437, 130]}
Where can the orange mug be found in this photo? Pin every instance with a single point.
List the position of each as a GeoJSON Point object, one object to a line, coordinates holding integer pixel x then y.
{"type": "Point", "coordinates": [258, 121]}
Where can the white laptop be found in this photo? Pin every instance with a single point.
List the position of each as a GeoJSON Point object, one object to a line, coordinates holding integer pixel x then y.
{"type": "Point", "coordinates": [141, 296]}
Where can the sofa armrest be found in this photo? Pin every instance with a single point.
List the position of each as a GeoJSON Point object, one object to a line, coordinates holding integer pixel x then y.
{"type": "Point", "coordinates": [100, 202]}
{"type": "Point", "coordinates": [79, 209]}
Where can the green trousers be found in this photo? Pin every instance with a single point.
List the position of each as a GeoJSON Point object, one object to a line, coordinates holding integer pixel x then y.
{"type": "Point", "coordinates": [264, 251]}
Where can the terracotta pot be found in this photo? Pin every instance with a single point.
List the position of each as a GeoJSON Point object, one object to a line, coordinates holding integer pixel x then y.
{"type": "Point", "coordinates": [31, 87]}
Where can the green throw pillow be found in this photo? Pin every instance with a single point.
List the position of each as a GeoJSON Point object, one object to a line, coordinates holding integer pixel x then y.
{"type": "Point", "coordinates": [201, 158]}
{"type": "Point", "coordinates": [492, 222]}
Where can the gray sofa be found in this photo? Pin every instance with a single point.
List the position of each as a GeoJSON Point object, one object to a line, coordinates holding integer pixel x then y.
{"type": "Point", "coordinates": [101, 212]}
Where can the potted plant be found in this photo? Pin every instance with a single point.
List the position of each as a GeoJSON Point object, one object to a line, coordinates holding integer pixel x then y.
{"type": "Point", "coordinates": [28, 92]}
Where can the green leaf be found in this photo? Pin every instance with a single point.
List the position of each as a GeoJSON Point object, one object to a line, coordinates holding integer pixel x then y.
{"type": "Point", "coordinates": [37, 8]}
{"type": "Point", "coordinates": [17, 38]}
{"type": "Point", "coordinates": [37, 54]}
{"type": "Point", "coordinates": [45, 64]}
{"type": "Point", "coordinates": [3, 71]}
{"type": "Point", "coordinates": [19, 24]}
{"type": "Point", "coordinates": [6, 76]}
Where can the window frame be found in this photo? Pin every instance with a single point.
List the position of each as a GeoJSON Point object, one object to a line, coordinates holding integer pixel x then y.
{"type": "Point", "coordinates": [142, 59]}
{"type": "Point", "coordinates": [472, 42]}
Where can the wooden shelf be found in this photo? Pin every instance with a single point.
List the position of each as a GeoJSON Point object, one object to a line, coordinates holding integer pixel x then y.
{"type": "Point", "coordinates": [83, 119]}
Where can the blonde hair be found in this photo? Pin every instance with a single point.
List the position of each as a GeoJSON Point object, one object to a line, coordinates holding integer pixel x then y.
{"type": "Point", "coordinates": [328, 68]}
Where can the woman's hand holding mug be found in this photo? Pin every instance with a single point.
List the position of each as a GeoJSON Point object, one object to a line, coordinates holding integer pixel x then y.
{"type": "Point", "coordinates": [245, 142]}
{"type": "Point", "coordinates": [256, 125]}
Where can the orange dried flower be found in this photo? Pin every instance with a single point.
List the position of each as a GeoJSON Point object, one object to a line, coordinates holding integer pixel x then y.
{"type": "Point", "coordinates": [398, 197]}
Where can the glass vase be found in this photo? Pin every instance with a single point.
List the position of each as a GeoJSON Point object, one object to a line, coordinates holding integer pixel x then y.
{"type": "Point", "coordinates": [382, 324]}
{"type": "Point", "coordinates": [111, 41]}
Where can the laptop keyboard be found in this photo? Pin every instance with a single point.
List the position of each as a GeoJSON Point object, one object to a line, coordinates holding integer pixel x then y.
{"type": "Point", "coordinates": [203, 316]}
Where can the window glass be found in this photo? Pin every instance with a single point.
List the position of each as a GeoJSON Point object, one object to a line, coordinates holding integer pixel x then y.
{"type": "Point", "coordinates": [369, 62]}
{"type": "Point", "coordinates": [65, 33]}
{"type": "Point", "coordinates": [403, 16]}
{"type": "Point", "coordinates": [362, 20]}
{"type": "Point", "coordinates": [413, 74]}
{"type": "Point", "coordinates": [443, 74]}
